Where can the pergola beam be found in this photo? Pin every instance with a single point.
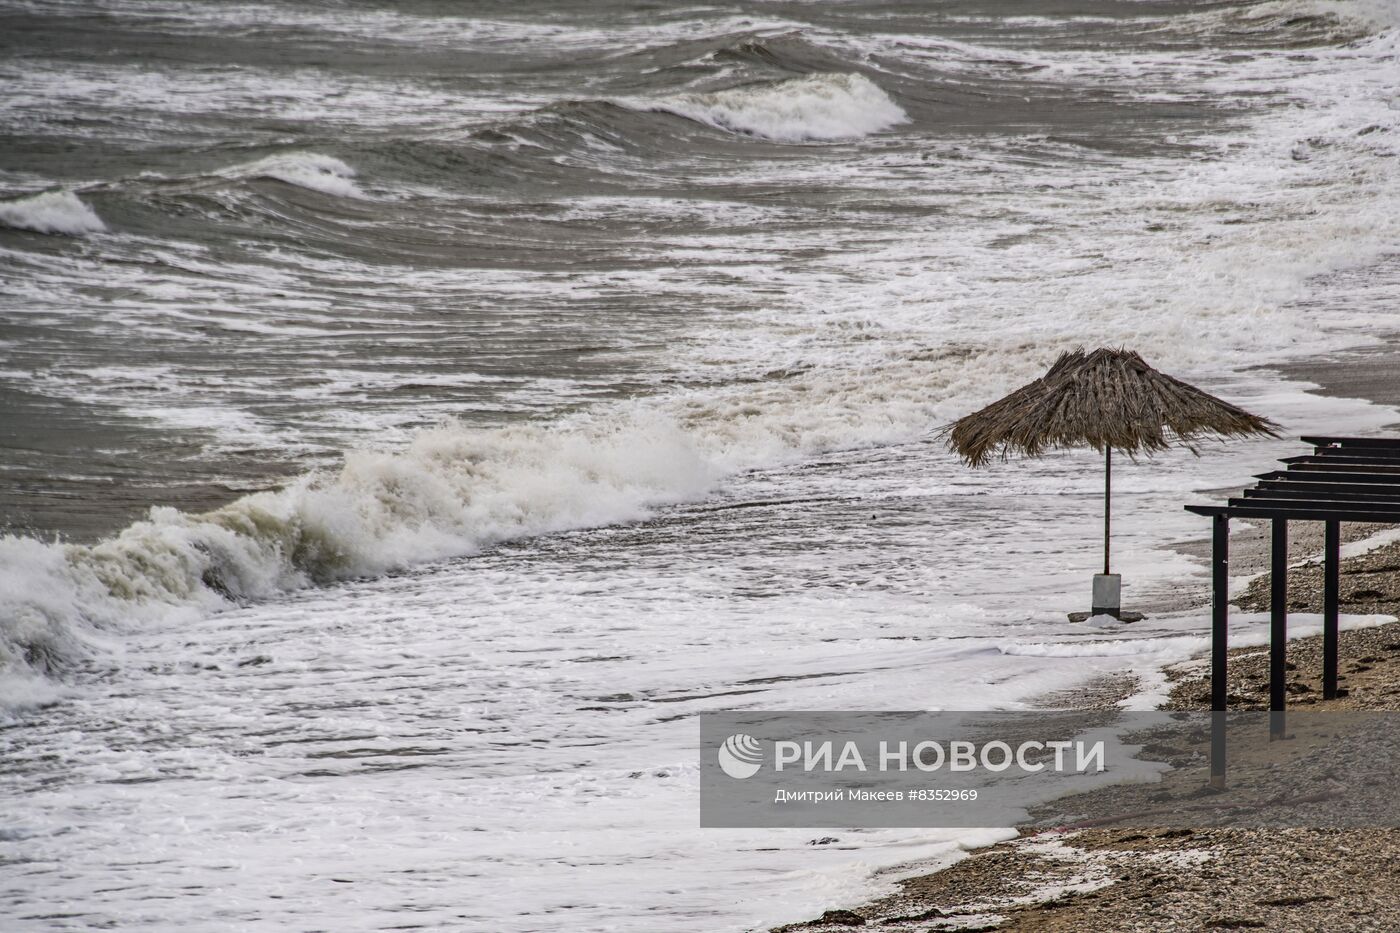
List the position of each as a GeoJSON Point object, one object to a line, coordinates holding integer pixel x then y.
{"type": "Point", "coordinates": [1350, 458]}
{"type": "Point", "coordinates": [1327, 489]}
{"type": "Point", "coordinates": [1382, 443]}
{"type": "Point", "coordinates": [1288, 492]}
{"type": "Point", "coordinates": [1305, 474]}
{"type": "Point", "coordinates": [1287, 506]}
{"type": "Point", "coordinates": [1273, 510]}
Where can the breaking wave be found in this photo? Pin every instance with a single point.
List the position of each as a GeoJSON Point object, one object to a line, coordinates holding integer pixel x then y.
{"type": "Point", "coordinates": [1365, 14]}
{"type": "Point", "coordinates": [451, 492]}
{"type": "Point", "coordinates": [816, 107]}
{"type": "Point", "coordinates": [311, 170]}
{"type": "Point", "coordinates": [51, 212]}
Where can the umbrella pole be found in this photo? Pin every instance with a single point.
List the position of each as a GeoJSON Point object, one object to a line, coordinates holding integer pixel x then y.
{"type": "Point", "coordinates": [1107, 504]}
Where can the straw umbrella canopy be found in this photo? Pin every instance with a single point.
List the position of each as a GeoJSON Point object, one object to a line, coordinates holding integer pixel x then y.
{"type": "Point", "coordinates": [1105, 399]}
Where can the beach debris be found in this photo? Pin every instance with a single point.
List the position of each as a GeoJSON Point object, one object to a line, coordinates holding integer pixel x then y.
{"type": "Point", "coordinates": [832, 918]}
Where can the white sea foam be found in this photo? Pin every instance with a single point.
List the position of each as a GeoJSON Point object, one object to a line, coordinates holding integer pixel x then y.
{"type": "Point", "coordinates": [312, 170]}
{"type": "Point", "coordinates": [815, 107]}
{"type": "Point", "coordinates": [1367, 14]}
{"type": "Point", "coordinates": [834, 366]}
{"type": "Point", "coordinates": [453, 491]}
{"type": "Point", "coordinates": [51, 212]}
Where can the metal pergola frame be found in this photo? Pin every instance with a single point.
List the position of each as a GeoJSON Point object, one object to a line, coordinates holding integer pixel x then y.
{"type": "Point", "coordinates": [1344, 479]}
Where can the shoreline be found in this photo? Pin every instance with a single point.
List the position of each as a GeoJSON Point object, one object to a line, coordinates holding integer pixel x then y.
{"type": "Point", "coordinates": [1282, 880]}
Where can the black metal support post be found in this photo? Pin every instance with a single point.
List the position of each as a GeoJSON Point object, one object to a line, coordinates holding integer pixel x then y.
{"type": "Point", "coordinates": [1331, 603]}
{"type": "Point", "coordinates": [1219, 637]}
{"type": "Point", "coordinates": [1278, 628]}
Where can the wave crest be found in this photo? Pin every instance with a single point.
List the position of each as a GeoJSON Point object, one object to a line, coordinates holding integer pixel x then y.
{"type": "Point", "coordinates": [51, 212]}
{"type": "Point", "coordinates": [821, 107]}
{"type": "Point", "coordinates": [453, 491]}
{"type": "Point", "coordinates": [312, 170]}
{"type": "Point", "coordinates": [1366, 14]}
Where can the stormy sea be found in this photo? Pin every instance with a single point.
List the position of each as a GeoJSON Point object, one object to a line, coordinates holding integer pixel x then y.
{"type": "Point", "coordinates": [413, 414]}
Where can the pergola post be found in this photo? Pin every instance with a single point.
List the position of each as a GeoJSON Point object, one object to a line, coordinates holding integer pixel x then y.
{"type": "Point", "coordinates": [1278, 628]}
{"type": "Point", "coordinates": [1344, 479]}
{"type": "Point", "coordinates": [1219, 638]}
{"type": "Point", "coordinates": [1331, 605]}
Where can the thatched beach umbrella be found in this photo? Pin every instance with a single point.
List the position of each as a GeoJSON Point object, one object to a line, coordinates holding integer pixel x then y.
{"type": "Point", "coordinates": [1108, 400]}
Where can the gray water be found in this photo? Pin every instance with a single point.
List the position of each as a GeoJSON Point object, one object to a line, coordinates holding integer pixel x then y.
{"type": "Point", "coordinates": [527, 246]}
